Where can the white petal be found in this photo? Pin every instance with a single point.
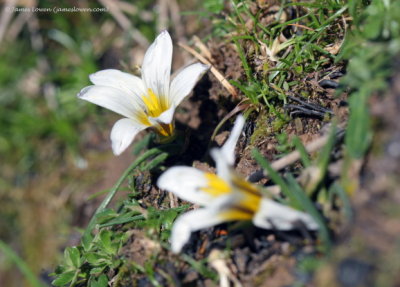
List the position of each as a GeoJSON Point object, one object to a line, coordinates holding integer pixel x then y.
{"type": "Point", "coordinates": [275, 215]}
{"type": "Point", "coordinates": [192, 221]}
{"type": "Point", "coordinates": [228, 149]}
{"type": "Point", "coordinates": [185, 81]}
{"type": "Point", "coordinates": [113, 99]}
{"type": "Point", "coordinates": [166, 117]}
{"type": "Point", "coordinates": [123, 133]}
{"type": "Point", "coordinates": [156, 68]}
{"type": "Point", "coordinates": [122, 81]}
{"type": "Point", "coordinates": [187, 183]}
{"type": "Point", "coordinates": [223, 167]}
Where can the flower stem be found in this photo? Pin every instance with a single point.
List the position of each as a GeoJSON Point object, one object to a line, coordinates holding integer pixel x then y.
{"type": "Point", "coordinates": [113, 191]}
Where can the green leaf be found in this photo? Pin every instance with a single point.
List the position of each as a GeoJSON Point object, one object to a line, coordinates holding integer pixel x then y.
{"type": "Point", "coordinates": [87, 241]}
{"type": "Point", "coordinates": [214, 6]}
{"type": "Point", "coordinates": [114, 190]}
{"type": "Point", "coordinates": [75, 256]}
{"type": "Point", "coordinates": [168, 218]}
{"type": "Point", "coordinates": [305, 159]}
{"type": "Point", "coordinates": [155, 162]}
{"type": "Point", "coordinates": [142, 144]}
{"type": "Point", "coordinates": [122, 220]}
{"type": "Point", "coordinates": [308, 206]}
{"type": "Point", "coordinates": [97, 270]}
{"type": "Point", "coordinates": [20, 263]}
{"type": "Point", "coordinates": [274, 175]}
{"type": "Point", "coordinates": [102, 281]}
{"type": "Point", "coordinates": [358, 135]}
{"type": "Point", "coordinates": [94, 258]}
{"type": "Point", "coordinates": [105, 239]}
{"type": "Point", "coordinates": [106, 215]}
{"type": "Point", "coordinates": [64, 278]}
{"type": "Point", "coordinates": [347, 209]}
{"type": "Point", "coordinates": [72, 257]}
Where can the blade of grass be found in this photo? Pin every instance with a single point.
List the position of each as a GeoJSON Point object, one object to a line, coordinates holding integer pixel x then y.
{"type": "Point", "coordinates": [308, 206]}
{"type": "Point", "coordinates": [122, 220]}
{"type": "Point", "coordinates": [358, 134]}
{"type": "Point", "coordinates": [276, 178]}
{"type": "Point", "coordinates": [305, 159]}
{"type": "Point", "coordinates": [325, 154]}
{"type": "Point", "coordinates": [116, 187]}
{"type": "Point", "coordinates": [156, 161]}
{"type": "Point", "coordinates": [337, 189]}
{"type": "Point", "coordinates": [245, 64]}
{"type": "Point", "coordinates": [21, 264]}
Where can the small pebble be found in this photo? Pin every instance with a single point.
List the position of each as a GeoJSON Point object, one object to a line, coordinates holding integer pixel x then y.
{"type": "Point", "coordinates": [393, 149]}
{"type": "Point", "coordinates": [353, 272]}
{"type": "Point", "coordinates": [328, 84]}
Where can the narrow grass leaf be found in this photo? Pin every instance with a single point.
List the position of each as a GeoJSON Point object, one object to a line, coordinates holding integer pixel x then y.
{"type": "Point", "coordinates": [155, 162]}
{"type": "Point", "coordinates": [276, 178]}
{"type": "Point", "coordinates": [111, 194]}
{"type": "Point", "coordinates": [305, 159]}
{"type": "Point", "coordinates": [337, 189]}
{"type": "Point", "coordinates": [21, 264]}
{"type": "Point", "coordinates": [142, 144]}
{"type": "Point", "coordinates": [122, 220]}
{"type": "Point", "coordinates": [245, 64]}
{"type": "Point", "coordinates": [325, 154]}
{"type": "Point", "coordinates": [358, 135]}
{"type": "Point", "coordinates": [308, 206]}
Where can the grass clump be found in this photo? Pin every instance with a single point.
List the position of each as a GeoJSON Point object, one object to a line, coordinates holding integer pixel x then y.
{"type": "Point", "coordinates": [280, 46]}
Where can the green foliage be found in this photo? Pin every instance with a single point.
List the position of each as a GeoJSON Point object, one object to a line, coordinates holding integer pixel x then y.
{"type": "Point", "coordinates": [272, 67]}
{"type": "Point", "coordinates": [358, 134]}
{"type": "Point", "coordinates": [284, 146]}
{"type": "Point", "coordinates": [214, 6]}
{"type": "Point", "coordinates": [87, 262]}
{"type": "Point", "coordinates": [102, 281]}
{"type": "Point", "coordinates": [145, 156]}
{"type": "Point", "coordinates": [305, 159]}
{"type": "Point", "coordinates": [90, 261]}
{"type": "Point", "coordinates": [370, 49]}
{"type": "Point", "coordinates": [296, 197]}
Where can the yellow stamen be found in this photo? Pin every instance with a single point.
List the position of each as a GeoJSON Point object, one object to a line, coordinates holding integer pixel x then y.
{"type": "Point", "coordinates": [166, 130]}
{"type": "Point", "coordinates": [143, 119]}
{"type": "Point", "coordinates": [244, 185]}
{"type": "Point", "coordinates": [154, 105]}
{"type": "Point", "coordinates": [236, 213]}
{"type": "Point", "coordinates": [247, 205]}
{"type": "Point", "coordinates": [216, 185]}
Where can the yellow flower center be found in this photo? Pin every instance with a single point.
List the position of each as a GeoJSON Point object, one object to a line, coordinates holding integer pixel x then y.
{"type": "Point", "coordinates": [216, 186]}
{"type": "Point", "coordinates": [247, 204]}
{"type": "Point", "coordinates": [155, 106]}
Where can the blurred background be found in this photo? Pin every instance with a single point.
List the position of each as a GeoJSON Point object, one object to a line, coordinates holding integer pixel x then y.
{"type": "Point", "coordinates": [55, 149]}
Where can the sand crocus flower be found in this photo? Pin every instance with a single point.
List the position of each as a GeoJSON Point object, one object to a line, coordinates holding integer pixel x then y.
{"type": "Point", "coordinates": [225, 196]}
{"type": "Point", "coordinates": [144, 102]}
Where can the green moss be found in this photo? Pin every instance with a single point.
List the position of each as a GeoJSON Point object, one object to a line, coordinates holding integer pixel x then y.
{"type": "Point", "coordinates": [262, 129]}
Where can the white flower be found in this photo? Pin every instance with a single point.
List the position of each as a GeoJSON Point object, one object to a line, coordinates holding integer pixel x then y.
{"type": "Point", "coordinates": [225, 196]}
{"type": "Point", "coordinates": [145, 102]}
